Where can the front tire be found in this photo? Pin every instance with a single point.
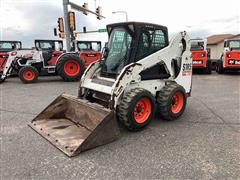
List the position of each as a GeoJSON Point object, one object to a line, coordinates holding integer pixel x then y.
{"type": "Point", "coordinates": [219, 68]}
{"type": "Point", "coordinates": [136, 109]}
{"type": "Point", "coordinates": [28, 74]}
{"type": "Point", "coordinates": [70, 67]}
{"type": "Point", "coordinates": [208, 69]}
{"type": "Point", "coordinates": [172, 101]}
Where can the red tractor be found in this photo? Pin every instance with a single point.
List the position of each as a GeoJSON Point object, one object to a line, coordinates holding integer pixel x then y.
{"type": "Point", "coordinates": [5, 48]}
{"type": "Point", "coordinates": [201, 62]}
{"type": "Point", "coordinates": [89, 51]}
{"type": "Point", "coordinates": [230, 58]}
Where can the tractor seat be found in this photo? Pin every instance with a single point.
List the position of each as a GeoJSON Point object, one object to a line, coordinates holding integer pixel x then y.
{"type": "Point", "coordinates": [47, 55]}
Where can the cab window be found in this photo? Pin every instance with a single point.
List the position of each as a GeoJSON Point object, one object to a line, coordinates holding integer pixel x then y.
{"type": "Point", "coordinates": [46, 45]}
{"type": "Point", "coordinates": [151, 40]}
{"type": "Point", "coordinates": [6, 45]}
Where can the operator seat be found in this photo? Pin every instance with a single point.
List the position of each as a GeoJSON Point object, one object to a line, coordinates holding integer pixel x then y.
{"type": "Point", "coordinates": [47, 56]}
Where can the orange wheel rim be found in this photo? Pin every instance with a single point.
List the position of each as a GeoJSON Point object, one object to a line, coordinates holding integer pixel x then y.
{"type": "Point", "coordinates": [71, 68]}
{"type": "Point", "coordinates": [28, 75]}
{"type": "Point", "coordinates": [142, 110]}
{"type": "Point", "coordinates": [177, 102]}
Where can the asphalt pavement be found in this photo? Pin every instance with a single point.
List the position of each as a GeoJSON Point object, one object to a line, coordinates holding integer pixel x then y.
{"type": "Point", "coordinates": [203, 144]}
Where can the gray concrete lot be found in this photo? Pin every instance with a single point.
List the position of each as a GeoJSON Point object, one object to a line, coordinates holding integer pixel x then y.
{"type": "Point", "coordinates": [203, 144]}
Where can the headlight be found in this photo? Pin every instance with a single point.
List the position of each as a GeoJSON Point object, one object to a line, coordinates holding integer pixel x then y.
{"type": "Point", "coordinates": [203, 54]}
{"type": "Point", "coordinates": [228, 55]}
{"type": "Point", "coordinates": [13, 53]}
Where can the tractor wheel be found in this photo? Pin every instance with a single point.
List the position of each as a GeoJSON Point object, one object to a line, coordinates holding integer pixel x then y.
{"type": "Point", "coordinates": [28, 74]}
{"type": "Point", "coordinates": [208, 69]}
{"type": "Point", "coordinates": [2, 79]}
{"type": "Point", "coordinates": [136, 109]}
{"type": "Point", "coordinates": [70, 67]}
{"type": "Point", "coordinates": [171, 101]}
{"type": "Point", "coordinates": [219, 68]}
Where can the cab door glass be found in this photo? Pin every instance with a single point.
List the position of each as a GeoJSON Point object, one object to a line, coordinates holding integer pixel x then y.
{"type": "Point", "coordinates": [150, 41]}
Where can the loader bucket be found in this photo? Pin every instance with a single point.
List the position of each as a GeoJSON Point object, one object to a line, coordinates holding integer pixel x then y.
{"type": "Point", "coordinates": [74, 125]}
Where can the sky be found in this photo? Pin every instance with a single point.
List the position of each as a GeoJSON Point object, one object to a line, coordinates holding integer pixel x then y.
{"type": "Point", "coordinates": [27, 20]}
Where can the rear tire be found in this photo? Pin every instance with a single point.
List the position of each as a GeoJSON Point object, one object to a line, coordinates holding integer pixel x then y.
{"type": "Point", "coordinates": [208, 69]}
{"type": "Point", "coordinates": [70, 67]}
{"type": "Point", "coordinates": [219, 68]}
{"type": "Point", "coordinates": [2, 80]}
{"type": "Point", "coordinates": [136, 109]}
{"type": "Point", "coordinates": [28, 74]}
{"type": "Point", "coordinates": [172, 101]}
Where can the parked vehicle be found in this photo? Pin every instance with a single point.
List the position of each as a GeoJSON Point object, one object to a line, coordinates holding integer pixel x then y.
{"type": "Point", "coordinates": [230, 58]}
{"type": "Point", "coordinates": [48, 56]}
{"type": "Point", "coordinates": [5, 48]}
{"type": "Point", "coordinates": [201, 62]}
{"type": "Point", "coordinates": [140, 70]}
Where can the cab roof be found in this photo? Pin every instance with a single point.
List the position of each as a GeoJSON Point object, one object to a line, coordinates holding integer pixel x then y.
{"type": "Point", "coordinates": [138, 25]}
{"type": "Point", "coordinates": [10, 41]}
{"type": "Point", "coordinates": [232, 39]}
{"type": "Point", "coordinates": [44, 40]}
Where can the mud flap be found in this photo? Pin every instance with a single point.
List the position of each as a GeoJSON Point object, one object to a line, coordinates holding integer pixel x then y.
{"type": "Point", "coordinates": [74, 125]}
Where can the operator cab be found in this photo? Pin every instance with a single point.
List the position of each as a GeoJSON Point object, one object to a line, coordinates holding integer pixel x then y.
{"type": "Point", "coordinates": [83, 46]}
{"type": "Point", "coordinates": [130, 42]}
{"type": "Point", "coordinates": [198, 45]}
{"type": "Point", "coordinates": [232, 44]}
{"type": "Point", "coordinates": [54, 45]}
{"type": "Point", "coordinates": [7, 46]}
{"type": "Point", "coordinates": [49, 48]}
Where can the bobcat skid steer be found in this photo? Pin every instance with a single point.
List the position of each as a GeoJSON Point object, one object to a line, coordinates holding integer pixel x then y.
{"type": "Point", "coordinates": [140, 70]}
{"type": "Point", "coordinates": [201, 61]}
{"type": "Point", "coordinates": [230, 58]}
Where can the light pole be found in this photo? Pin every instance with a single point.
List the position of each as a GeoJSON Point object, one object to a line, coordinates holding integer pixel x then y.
{"type": "Point", "coordinates": [66, 23]}
{"type": "Point", "coordinates": [122, 12]}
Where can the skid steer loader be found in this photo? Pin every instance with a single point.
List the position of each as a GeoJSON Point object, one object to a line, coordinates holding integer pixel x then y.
{"type": "Point", "coordinates": [230, 58]}
{"type": "Point", "coordinates": [201, 61]}
{"type": "Point", "coordinates": [140, 70]}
